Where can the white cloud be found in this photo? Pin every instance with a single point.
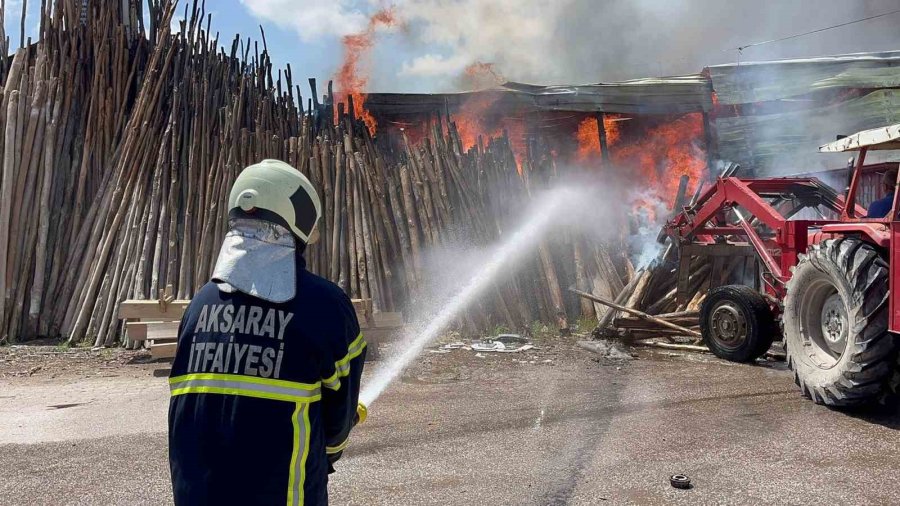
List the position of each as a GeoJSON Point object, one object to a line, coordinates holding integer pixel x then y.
{"type": "Point", "coordinates": [311, 19]}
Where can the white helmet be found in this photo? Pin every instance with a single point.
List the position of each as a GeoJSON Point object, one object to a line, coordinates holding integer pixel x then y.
{"type": "Point", "coordinates": [274, 191]}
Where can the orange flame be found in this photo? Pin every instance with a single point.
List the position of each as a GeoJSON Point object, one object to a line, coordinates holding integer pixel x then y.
{"type": "Point", "coordinates": [611, 125]}
{"type": "Point", "coordinates": [589, 136]}
{"type": "Point", "coordinates": [352, 80]}
{"type": "Point", "coordinates": [661, 156]}
{"type": "Point", "coordinates": [475, 120]}
{"type": "Point", "coordinates": [588, 139]}
{"type": "Point", "coordinates": [471, 120]}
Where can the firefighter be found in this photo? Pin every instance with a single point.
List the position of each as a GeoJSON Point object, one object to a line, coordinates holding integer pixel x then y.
{"type": "Point", "coordinates": [881, 207]}
{"type": "Point", "coordinates": [265, 383]}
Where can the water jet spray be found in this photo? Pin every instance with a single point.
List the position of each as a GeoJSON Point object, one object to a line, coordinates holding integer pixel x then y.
{"type": "Point", "coordinates": [547, 211]}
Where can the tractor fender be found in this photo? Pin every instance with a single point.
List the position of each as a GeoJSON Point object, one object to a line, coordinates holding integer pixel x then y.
{"type": "Point", "coordinates": [877, 234]}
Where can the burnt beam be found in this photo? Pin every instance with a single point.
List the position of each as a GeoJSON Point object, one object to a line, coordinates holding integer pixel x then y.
{"type": "Point", "coordinates": [604, 149]}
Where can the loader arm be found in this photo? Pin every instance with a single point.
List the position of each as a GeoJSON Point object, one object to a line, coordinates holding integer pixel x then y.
{"type": "Point", "coordinates": [705, 222]}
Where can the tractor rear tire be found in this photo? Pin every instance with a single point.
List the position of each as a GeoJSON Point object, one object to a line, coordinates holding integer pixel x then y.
{"type": "Point", "coordinates": [836, 324]}
{"type": "Point", "coordinates": [737, 323]}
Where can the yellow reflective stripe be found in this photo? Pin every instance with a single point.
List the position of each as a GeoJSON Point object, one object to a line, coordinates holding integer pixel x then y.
{"type": "Point", "coordinates": [244, 379]}
{"type": "Point", "coordinates": [353, 350]}
{"type": "Point", "coordinates": [355, 353]}
{"type": "Point", "coordinates": [356, 342]}
{"type": "Point", "coordinates": [297, 471]}
{"type": "Point", "coordinates": [245, 393]}
{"type": "Point", "coordinates": [342, 366]}
{"type": "Point", "coordinates": [248, 386]}
{"type": "Point", "coordinates": [306, 437]}
{"type": "Point", "coordinates": [339, 448]}
{"type": "Point", "coordinates": [331, 378]}
{"type": "Point", "coordinates": [333, 384]}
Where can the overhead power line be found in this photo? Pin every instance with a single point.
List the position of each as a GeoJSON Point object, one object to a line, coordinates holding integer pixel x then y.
{"type": "Point", "coordinates": [742, 48]}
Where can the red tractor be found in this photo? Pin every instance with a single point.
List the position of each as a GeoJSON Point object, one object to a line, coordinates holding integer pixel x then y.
{"type": "Point", "coordinates": [826, 278]}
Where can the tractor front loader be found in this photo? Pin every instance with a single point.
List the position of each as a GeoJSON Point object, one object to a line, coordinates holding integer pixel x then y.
{"type": "Point", "coordinates": [826, 281]}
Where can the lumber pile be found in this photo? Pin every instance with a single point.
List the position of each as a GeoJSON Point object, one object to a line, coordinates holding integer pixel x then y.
{"type": "Point", "coordinates": [478, 196]}
{"type": "Point", "coordinates": [125, 138]}
{"type": "Point", "coordinates": [677, 286]}
{"type": "Point", "coordinates": [663, 299]}
{"type": "Point", "coordinates": [647, 309]}
{"type": "Point", "coordinates": [121, 140]}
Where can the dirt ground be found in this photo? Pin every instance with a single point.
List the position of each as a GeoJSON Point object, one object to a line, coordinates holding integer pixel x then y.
{"type": "Point", "coordinates": [556, 425]}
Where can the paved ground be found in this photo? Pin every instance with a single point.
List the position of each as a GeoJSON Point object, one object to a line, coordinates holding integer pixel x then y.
{"type": "Point", "coordinates": [565, 429]}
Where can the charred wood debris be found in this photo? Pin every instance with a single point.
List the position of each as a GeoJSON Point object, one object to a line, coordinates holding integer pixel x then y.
{"type": "Point", "coordinates": [661, 305]}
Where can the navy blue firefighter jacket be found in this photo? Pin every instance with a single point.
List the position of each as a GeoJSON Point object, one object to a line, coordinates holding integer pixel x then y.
{"type": "Point", "coordinates": [264, 395]}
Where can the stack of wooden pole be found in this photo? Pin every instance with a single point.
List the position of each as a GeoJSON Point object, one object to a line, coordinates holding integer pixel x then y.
{"type": "Point", "coordinates": [120, 143]}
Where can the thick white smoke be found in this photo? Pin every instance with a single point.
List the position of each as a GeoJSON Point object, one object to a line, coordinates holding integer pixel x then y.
{"type": "Point", "coordinates": [582, 41]}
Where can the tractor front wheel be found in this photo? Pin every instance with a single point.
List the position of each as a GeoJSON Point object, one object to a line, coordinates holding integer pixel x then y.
{"type": "Point", "coordinates": [836, 324]}
{"type": "Point", "coordinates": [737, 323]}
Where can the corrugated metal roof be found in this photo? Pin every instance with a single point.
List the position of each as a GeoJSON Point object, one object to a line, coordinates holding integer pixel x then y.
{"type": "Point", "coordinates": [751, 82]}
{"type": "Point", "coordinates": [664, 95]}
{"type": "Point", "coordinates": [667, 95]}
{"type": "Point", "coordinates": [789, 141]}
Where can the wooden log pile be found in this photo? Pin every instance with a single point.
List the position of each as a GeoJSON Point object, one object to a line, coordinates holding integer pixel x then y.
{"type": "Point", "coordinates": [648, 308]}
{"type": "Point", "coordinates": [670, 291]}
{"type": "Point", "coordinates": [438, 194]}
{"type": "Point", "coordinates": [121, 140]}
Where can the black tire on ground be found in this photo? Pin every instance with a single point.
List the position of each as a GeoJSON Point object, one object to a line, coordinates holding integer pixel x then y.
{"type": "Point", "coordinates": [836, 324]}
{"type": "Point", "coordinates": [737, 323]}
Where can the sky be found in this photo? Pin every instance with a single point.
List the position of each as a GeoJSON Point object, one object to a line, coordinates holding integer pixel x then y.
{"type": "Point", "coordinates": [539, 41]}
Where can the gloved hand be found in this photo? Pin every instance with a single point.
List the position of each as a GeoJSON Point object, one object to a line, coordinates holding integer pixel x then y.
{"type": "Point", "coordinates": [362, 412]}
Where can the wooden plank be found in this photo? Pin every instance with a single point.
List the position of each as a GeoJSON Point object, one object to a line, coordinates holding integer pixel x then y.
{"type": "Point", "coordinates": [362, 305]}
{"type": "Point", "coordinates": [679, 347]}
{"type": "Point", "coordinates": [163, 330]}
{"type": "Point", "coordinates": [388, 320]}
{"type": "Point", "coordinates": [639, 314]}
{"type": "Point", "coordinates": [166, 350]}
{"type": "Point", "coordinates": [143, 331]}
{"type": "Point", "coordinates": [151, 310]}
{"type": "Point", "coordinates": [136, 331]}
{"type": "Point", "coordinates": [363, 309]}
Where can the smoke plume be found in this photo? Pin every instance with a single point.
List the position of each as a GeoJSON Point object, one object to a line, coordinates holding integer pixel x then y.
{"type": "Point", "coordinates": [583, 41]}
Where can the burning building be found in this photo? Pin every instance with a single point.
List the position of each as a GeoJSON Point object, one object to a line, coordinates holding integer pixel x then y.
{"type": "Point", "coordinates": [649, 131]}
{"type": "Point", "coordinates": [767, 117]}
